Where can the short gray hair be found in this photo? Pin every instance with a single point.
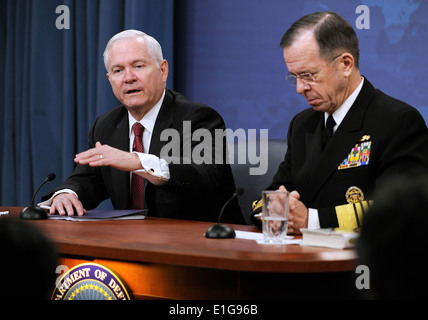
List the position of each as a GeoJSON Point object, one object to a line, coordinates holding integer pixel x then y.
{"type": "Point", "coordinates": [332, 32]}
{"type": "Point", "coordinates": [153, 46]}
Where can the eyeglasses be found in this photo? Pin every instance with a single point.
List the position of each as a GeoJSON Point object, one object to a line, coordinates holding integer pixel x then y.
{"type": "Point", "coordinates": [307, 77]}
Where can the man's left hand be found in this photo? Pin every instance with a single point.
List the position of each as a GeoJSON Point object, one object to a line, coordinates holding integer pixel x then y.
{"type": "Point", "coordinates": [104, 155]}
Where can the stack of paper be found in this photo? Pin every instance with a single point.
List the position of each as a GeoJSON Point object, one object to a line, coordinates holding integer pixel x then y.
{"type": "Point", "coordinates": [329, 238]}
{"type": "Point", "coordinates": [96, 215]}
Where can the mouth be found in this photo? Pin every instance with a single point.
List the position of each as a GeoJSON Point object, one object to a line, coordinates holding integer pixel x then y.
{"type": "Point", "coordinates": [313, 101]}
{"type": "Point", "coordinates": [132, 91]}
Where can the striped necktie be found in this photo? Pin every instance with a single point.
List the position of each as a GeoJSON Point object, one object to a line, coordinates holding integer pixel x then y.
{"type": "Point", "coordinates": [137, 181]}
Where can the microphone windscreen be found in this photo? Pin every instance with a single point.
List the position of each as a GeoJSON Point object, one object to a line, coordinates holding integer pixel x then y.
{"type": "Point", "coordinates": [51, 176]}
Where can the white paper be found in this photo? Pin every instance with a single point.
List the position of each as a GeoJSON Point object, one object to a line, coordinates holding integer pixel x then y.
{"type": "Point", "coordinates": [258, 236]}
{"type": "Point", "coordinates": [287, 241]}
{"type": "Point", "coordinates": [248, 235]}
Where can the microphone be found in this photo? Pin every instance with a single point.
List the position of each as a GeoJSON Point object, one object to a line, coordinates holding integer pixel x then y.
{"type": "Point", "coordinates": [33, 212]}
{"type": "Point", "coordinates": [220, 231]}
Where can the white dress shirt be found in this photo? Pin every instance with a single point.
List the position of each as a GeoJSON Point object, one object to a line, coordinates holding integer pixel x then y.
{"type": "Point", "coordinates": [150, 163]}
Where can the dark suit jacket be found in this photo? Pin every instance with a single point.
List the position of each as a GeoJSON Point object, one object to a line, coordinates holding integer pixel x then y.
{"type": "Point", "coordinates": [399, 144]}
{"type": "Point", "coordinates": [194, 191]}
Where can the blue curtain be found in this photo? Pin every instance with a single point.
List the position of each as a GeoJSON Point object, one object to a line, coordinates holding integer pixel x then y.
{"type": "Point", "coordinates": [53, 82]}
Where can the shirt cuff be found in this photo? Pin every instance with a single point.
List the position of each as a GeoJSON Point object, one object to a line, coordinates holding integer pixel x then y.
{"type": "Point", "coordinates": [313, 219]}
{"type": "Point", "coordinates": [48, 202]}
{"type": "Point", "coordinates": [154, 165]}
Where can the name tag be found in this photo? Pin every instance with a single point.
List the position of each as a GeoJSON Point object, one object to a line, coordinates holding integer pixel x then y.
{"type": "Point", "coordinates": [359, 156]}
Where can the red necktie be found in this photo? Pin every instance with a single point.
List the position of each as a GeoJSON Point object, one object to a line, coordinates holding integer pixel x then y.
{"type": "Point", "coordinates": [137, 181]}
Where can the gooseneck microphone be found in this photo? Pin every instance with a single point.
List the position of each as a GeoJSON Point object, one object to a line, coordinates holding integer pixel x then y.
{"type": "Point", "coordinates": [220, 231]}
{"type": "Point", "coordinates": [33, 212]}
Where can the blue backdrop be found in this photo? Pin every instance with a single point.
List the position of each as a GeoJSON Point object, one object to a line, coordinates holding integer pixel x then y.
{"type": "Point", "coordinates": [230, 56]}
{"type": "Point", "coordinates": [224, 53]}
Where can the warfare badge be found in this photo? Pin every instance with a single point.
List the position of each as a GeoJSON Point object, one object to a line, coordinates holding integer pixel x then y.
{"type": "Point", "coordinates": [354, 195]}
{"type": "Point", "coordinates": [365, 137]}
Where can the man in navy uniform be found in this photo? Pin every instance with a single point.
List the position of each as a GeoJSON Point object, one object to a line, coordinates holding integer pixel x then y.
{"type": "Point", "coordinates": [353, 137]}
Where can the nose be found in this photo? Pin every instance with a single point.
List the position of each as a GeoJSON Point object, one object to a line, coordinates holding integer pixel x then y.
{"type": "Point", "coordinates": [129, 76]}
{"type": "Point", "coordinates": [301, 86]}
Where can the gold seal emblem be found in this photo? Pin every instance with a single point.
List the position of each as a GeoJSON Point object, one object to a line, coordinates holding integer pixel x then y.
{"type": "Point", "coordinates": [90, 281]}
{"type": "Point", "coordinates": [354, 195]}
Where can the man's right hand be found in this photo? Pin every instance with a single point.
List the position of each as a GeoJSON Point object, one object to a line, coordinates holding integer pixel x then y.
{"type": "Point", "coordinates": [67, 203]}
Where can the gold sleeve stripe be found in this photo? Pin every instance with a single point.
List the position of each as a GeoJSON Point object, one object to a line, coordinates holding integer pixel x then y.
{"type": "Point", "coordinates": [257, 204]}
{"type": "Point", "coordinates": [349, 216]}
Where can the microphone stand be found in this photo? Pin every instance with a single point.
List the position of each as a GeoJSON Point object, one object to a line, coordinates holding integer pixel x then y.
{"type": "Point", "coordinates": [221, 231]}
{"type": "Point", "coordinates": [33, 212]}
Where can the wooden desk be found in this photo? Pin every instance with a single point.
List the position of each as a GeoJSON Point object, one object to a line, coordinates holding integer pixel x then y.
{"type": "Point", "coordinates": [164, 258]}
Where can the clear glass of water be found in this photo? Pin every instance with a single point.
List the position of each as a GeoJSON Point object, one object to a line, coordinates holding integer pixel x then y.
{"type": "Point", "coordinates": [275, 216]}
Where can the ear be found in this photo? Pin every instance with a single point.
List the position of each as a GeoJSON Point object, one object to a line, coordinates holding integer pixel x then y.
{"type": "Point", "coordinates": [164, 70]}
{"type": "Point", "coordinates": [347, 62]}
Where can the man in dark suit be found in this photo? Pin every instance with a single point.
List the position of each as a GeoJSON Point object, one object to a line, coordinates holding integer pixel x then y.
{"type": "Point", "coordinates": [178, 182]}
{"type": "Point", "coordinates": [331, 175]}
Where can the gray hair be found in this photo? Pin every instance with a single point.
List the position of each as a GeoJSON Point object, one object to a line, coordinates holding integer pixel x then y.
{"type": "Point", "coordinates": [153, 46]}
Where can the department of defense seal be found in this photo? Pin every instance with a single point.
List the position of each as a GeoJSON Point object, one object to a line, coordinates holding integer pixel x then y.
{"type": "Point", "coordinates": [354, 195]}
{"type": "Point", "coordinates": [90, 281]}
